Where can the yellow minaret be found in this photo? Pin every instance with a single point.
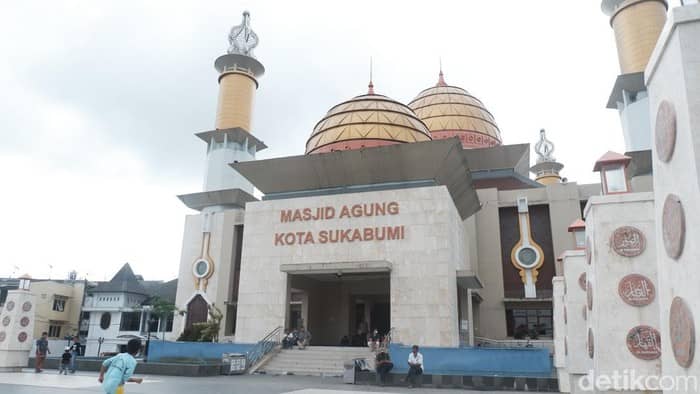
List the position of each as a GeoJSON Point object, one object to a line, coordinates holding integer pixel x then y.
{"type": "Point", "coordinates": [637, 25]}
{"type": "Point", "coordinates": [238, 78]}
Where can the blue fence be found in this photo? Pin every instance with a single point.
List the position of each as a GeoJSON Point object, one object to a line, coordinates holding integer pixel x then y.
{"type": "Point", "coordinates": [476, 361]}
{"type": "Point", "coordinates": [158, 350]}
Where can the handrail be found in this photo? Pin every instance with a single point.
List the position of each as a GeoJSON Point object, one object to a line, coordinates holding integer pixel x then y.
{"type": "Point", "coordinates": [263, 347]}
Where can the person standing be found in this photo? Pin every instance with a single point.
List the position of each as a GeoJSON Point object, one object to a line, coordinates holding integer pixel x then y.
{"type": "Point", "coordinates": [75, 352]}
{"type": "Point", "coordinates": [415, 367]}
{"type": "Point", "coordinates": [42, 349]}
{"type": "Point", "coordinates": [65, 361]}
{"type": "Point", "coordinates": [116, 371]}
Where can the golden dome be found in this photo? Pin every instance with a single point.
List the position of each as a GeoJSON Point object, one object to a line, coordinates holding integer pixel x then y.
{"type": "Point", "coordinates": [450, 111]}
{"type": "Point", "coordinates": [366, 121]}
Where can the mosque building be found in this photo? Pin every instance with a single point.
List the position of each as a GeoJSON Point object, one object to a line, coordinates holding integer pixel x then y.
{"type": "Point", "coordinates": [412, 219]}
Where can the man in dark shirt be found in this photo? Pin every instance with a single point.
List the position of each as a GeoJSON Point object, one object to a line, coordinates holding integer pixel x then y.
{"type": "Point", "coordinates": [383, 366]}
{"type": "Point", "coordinates": [75, 352]}
{"type": "Point", "coordinates": [42, 349]}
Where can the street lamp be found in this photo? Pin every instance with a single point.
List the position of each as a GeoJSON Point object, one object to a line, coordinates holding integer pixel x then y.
{"type": "Point", "coordinates": [100, 340]}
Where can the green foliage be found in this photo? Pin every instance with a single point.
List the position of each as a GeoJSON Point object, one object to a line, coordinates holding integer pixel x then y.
{"type": "Point", "coordinates": [204, 332]}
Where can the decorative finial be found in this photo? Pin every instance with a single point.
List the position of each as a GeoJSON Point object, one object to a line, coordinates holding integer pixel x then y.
{"type": "Point", "coordinates": [441, 77]}
{"type": "Point", "coordinates": [544, 148]}
{"type": "Point", "coordinates": [242, 38]}
{"type": "Point", "coordinates": [370, 87]}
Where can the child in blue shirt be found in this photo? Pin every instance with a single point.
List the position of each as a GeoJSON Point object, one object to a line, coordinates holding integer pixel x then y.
{"type": "Point", "coordinates": [117, 370]}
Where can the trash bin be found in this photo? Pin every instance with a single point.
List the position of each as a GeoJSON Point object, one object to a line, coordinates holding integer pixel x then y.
{"type": "Point", "coordinates": [233, 363]}
{"type": "Point", "coordinates": [349, 372]}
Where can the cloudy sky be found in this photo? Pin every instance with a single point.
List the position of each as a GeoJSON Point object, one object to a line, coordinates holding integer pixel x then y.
{"type": "Point", "coordinates": [100, 101]}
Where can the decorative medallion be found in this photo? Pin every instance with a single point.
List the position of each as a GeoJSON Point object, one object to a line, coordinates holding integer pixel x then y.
{"type": "Point", "coordinates": [665, 131]}
{"type": "Point", "coordinates": [682, 332]}
{"type": "Point", "coordinates": [628, 241]}
{"type": "Point", "coordinates": [22, 336]}
{"type": "Point", "coordinates": [582, 281]}
{"type": "Point", "coordinates": [636, 290]}
{"type": "Point", "coordinates": [644, 342]}
{"type": "Point", "coordinates": [566, 347]}
{"type": "Point", "coordinates": [24, 322]}
{"type": "Point", "coordinates": [673, 225]}
{"type": "Point", "coordinates": [585, 313]}
{"type": "Point", "coordinates": [2, 336]}
{"type": "Point", "coordinates": [589, 296]}
{"type": "Point", "coordinates": [591, 349]}
{"type": "Point", "coordinates": [27, 306]}
{"type": "Point", "coordinates": [10, 306]}
{"type": "Point", "coordinates": [6, 321]}
{"type": "Point", "coordinates": [566, 320]}
{"type": "Point", "coordinates": [588, 251]}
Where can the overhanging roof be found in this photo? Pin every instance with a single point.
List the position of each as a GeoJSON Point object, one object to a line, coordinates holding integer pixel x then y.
{"type": "Point", "coordinates": [235, 134]}
{"type": "Point", "coordinates": [516, 157]}
{"type": "Point", "coordinates": [641, 163]}
{"type": "Point", "coordinates": [633, 82]}
{"type": "Point", "coordinates": [443, 162]}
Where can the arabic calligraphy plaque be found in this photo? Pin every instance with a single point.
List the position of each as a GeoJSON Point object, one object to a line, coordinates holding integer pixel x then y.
{"type": "Point", "coordinates": [10, 306]}
{"type": "Point", "coordinates": [27, 306]}
{"type": "Point", "coordinates": [636, 290]}
{"type": "Point", "coordinates": [3, 335]}
{"type": "Point", "coordinates": [6, 321]}
{"type": "Point", "coordinates": [588, 250]}
{"type": "Point", "coordinates": [682, 332]}
{"type": "Point", "coordinates": [644, 342]}
{"type": "Point", "coordinates": [589, 296]}
{"type": "Point", "coordinates": [673, 226]}
{"type": "Point", "coordinates": [24, 322]}
{"type": "Point", "coordinates": [628, 241]}
{"type": "Point", "coordinates": [665, 131]}
{"type": "Point", "coordinates": [585, 313]}
{"type": "Point", "coordinates": [582, 281]}
{"type": "Point", "coordinates": [566, 320]}
{"type": "Point", "coordinates": [22, 336]}
{"type": "Point", "coordinates": [591, 350]}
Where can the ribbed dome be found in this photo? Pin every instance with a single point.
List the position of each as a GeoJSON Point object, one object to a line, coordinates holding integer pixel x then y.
{"type": "Point", "coordinates": [450, 111]}
{"type": "Point", "coordinates": [366, 121]}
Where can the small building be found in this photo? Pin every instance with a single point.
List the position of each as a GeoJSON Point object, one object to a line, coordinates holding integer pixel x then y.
{"type": "Point", "coordinates": [116, 311]}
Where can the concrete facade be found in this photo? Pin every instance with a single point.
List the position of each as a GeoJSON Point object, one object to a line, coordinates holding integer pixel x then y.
{"type": "Point", "coordinates": [58, 307]}
{"type": "Point", "coordinates": [422, 259]}
{"type": "Point", "coordinates": [613, 325]}
{"type": "Point", "coordinates": [673, 76]}
{"type": "Point", "coordinates": [16, 327]}
{"type": "Point", "coordinates": [575, 353]}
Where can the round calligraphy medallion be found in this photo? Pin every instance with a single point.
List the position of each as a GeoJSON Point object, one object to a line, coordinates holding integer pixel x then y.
{"type": "Point", "coordinates": [24, 322]}
{"type": "Point", "coordinates": [582, 281]}
{"type": "Point", "coordinates": [591, 349]}
{"type": "Point", "coordinates": [636, 290]}
{"type": "Point", "coordinates": [6, 321]}
{"type": "Point", "coordinates": [589, 296]}
{"type": "Point", "coordinates": [665, 131]}
{"type": "Point", "coordinates": [588, 251]}
{"type": "Point", "coordinates": [644, 342]}
{"type": "Point", "coordinates": [10, 306]}
{"type": "Point", "coordinates": [628, 241]}
{"type": "Point", "coordinates": [3, 335]}
{"type": "Point", "coordinates": [27, 306]}
{"type": "Point", "coordinates": [673, 226]}
{"type": "Point", "coordinates": [22, 336]}
{"type": "Point", "coordinates": [682, 331]}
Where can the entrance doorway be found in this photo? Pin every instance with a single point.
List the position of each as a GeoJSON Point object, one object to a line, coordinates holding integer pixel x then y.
{"type": "Point", "coordinates": [339, 308]}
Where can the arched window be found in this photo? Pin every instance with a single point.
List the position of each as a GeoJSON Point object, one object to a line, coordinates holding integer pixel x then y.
{"type": "Point", "coordinates": [197, 311]}
{"type": "Point", "coordinates": [105, 320]}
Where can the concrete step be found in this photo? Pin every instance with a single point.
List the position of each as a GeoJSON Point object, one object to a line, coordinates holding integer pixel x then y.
{"type": "Point", "coordinates": [314, 360]}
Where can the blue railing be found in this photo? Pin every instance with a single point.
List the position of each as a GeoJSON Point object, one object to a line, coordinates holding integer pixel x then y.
{"type": "Point", "coordinates": [263, 347]}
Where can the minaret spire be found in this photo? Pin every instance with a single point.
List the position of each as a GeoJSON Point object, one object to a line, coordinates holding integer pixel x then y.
{"type": "Point", "coordinates": [441, 77]}
{"type": "Point", "coordinates": [370, 87]}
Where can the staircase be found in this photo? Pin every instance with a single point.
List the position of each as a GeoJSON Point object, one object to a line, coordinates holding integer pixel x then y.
{"type": "Point", "coordinates": [314, 360]}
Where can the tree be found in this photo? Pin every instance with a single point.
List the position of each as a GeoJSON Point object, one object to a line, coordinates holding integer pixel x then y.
{"type": "Point", "coordinates": [162, 309]}
{"type": "Point", "coordinates": [210, 328]}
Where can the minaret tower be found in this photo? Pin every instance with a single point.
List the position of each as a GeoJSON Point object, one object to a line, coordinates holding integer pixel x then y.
{"type": "Point", "coordinates": [637, 25]}
{"type": "Point", "coordinates": [232, 140]}
{"type": "Point", "coordinates": [547, 168]}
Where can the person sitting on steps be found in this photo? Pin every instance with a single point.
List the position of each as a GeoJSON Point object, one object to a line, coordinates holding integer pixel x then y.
{"type": "Point", "coordinates": [303, 338]}
{"type": "Point", "coordinates": [415, 367]}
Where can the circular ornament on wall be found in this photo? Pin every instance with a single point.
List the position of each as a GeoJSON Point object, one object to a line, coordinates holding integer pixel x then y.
{"type": "Point", "coordinates": [24, 322]}
{"type": "Point", "coordinates": [591, 349]}
{"type": "Point", "coordinates": [6, 321]}
{"type": "Point", "coordinates": [644, 342]}
{"type": "Point", "coordinates": [582, 281]}
{"type": "Point", "coordinates": [682, 331]}
{"type": "Point", "coordinates": [673, 226]}
{"type": "Point", "coordinates": [628, 241]}
{"type": "Point", "coordinates": [10, 306]}
{"type": "Point", "coordinates": [589, 296]}
{"type": "Point", "coordinates": [3, 335]}
{"type": "Point", "coordinates": [22, 336]}
{"type": "Point", "coordinates": [588, 250]}
{"type": "Point", "coordinates": [636, 290]}
{"type": "Point", "coordinates": [27, 306]}
{"type": "Point", "coordinates": [665, 131]}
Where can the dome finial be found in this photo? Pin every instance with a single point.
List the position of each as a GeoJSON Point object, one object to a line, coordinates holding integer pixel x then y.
{"type": "Point", "coordinates": [242, 39]}
{"type": "Point", "coordinates": [370, 87]}
{"type": "Point", "coordinates": [441, 77]}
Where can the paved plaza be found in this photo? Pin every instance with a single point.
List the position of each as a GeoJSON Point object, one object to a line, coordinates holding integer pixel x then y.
{"type": "Point", "coordinates": [50, 382]}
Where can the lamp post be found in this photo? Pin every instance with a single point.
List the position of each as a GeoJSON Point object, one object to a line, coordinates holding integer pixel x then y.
{"type": "Point", "coordinates": [100, 340]}
{"type": "Point", "coordinates": [151, 320]}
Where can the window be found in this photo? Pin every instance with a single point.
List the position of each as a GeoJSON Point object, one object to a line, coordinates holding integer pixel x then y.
{"type": "Point", "coordinates": [169, 322]}
{"type": "Point", "coordinates": [54, 331]}
{"type": "Point", "coordinates": [131, 321]}
{"type": "Point", "coordinates": [105, 320]}
{"type": "Point", "coordinates": [616, 181]}
{"type": "Point", "coordinates": [529, 323]}
{"type": "Point", "coordinates": [59, 304]}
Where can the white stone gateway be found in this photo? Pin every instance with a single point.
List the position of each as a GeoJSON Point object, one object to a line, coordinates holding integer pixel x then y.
{"type": "Point", "coordinates": [16, 328]}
